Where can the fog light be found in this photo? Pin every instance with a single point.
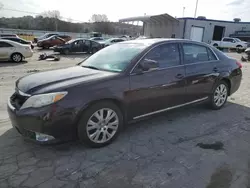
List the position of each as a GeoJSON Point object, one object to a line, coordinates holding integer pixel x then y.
{"type": "Point", "coordinates": [43, 137]}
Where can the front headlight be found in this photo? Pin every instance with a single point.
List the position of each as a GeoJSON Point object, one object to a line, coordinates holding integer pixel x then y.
{"type": "Point", "coordinates": [37, 101]}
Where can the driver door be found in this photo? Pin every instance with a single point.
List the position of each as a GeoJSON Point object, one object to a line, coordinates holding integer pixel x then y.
{"type": "Point", "coordinates": [76, 46]}
{"type": "Point", "coordinates": [6, 50]}
{"type": "Point", "coordinates": [157, 89]}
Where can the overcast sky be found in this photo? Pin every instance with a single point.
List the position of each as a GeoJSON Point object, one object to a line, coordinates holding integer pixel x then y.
{"type": "Point", "coordinates": [83, 9]}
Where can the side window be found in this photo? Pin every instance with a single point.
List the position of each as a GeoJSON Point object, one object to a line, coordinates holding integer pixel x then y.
{"type": "Point", "coordinates": [211, 55]}
{"type": "Point", "coordinates": [167, 55]}
{"type": "Point", "coordinates": [87, 42]}
{"type": "Point", "coordinates": [4, 45]}
{"type": "Point", "coordinates": [195, 53]}
{"type": "Point", "coordinates": [80, 42]}
{"type": "Point", "coordinates": [228, 40]}
{"type": "Point", "coordinates": [94, 44]}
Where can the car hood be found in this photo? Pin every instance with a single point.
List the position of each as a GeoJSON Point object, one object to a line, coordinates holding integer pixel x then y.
{"type": "Point", "coordinates": [62, 78]}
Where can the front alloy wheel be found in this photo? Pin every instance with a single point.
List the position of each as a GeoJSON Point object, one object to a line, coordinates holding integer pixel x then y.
{"type": "Point", "coordinates": [100, 124]}
{"type": "Point", "coordinates": [16, 57]}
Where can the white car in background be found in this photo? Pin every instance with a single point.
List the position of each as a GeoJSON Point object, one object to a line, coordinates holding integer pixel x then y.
{"type": "Point", "coordinates": [10, 50]}
{"type": "Point", "coordinates": [228, 42]}
{"type": "Point", "coordinates": [111, 41]}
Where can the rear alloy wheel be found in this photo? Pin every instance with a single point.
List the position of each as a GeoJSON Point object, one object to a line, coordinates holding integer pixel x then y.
{"type": "Point", "coordinates": [100, 124]}
{"type": "Point", "coordinates": [219, 97]}
{"type": "Point", "coordinates": [17, 57]}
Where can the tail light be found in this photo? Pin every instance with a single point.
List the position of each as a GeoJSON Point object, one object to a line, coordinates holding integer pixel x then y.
{"type": "Point", "coordinates": [239, 64]}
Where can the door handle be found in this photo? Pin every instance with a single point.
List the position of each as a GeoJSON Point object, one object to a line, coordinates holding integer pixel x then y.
{"type": "Point", "coordinates": [179, 76]}
{"type": "Point", "coordinates": [215, 69]}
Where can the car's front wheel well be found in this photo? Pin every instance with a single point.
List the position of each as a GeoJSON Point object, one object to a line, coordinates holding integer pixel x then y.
{"type": "Point", "coordinates": [228, 84]}
{"type": "Point", "coordinates": [117, 102]}
{"type": "Point", "coordinates": [16, 53]}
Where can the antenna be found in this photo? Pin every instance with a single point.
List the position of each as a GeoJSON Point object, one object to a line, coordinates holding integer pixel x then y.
{"type": "Point", "coordinates": [196, 8]}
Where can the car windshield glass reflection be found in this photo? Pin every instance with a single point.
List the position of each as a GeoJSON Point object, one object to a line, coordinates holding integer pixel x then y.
{"type": "Point", "coordinates": [114, 58]}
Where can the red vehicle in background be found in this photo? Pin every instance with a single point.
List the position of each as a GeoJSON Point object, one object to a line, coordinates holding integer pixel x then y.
{"type": "Point", "coordinates": [55, 40]}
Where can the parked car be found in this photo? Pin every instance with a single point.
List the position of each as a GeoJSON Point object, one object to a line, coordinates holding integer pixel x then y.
{"type": "Point", "coordinates": [50, 42]}
{"type": "Point", "coordinates": [45, 36]}
{"type": "Point", "coordinates": [227, 42]}
{"type": "Point", "coordinates": [19, 40]}
{"type": "Point", "coordinates": [8, 35]}
{"type": "Point", "coordinates": [97, 38]}
{"type": "Point", "coordinates": [111, 41]}
{"type": "Point", "coordinates": [124, 82]}
{"type": "Point", "coordinates": [126, 37]}
{"type": "Point", "coordinates": [78, 45]}
{"type": "Point", "coordinates": [16, 52]}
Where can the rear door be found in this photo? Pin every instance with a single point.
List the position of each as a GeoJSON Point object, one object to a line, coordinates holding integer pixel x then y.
{"type": "Point", "coordinates": [160, 88]}
{"type": "Point", "coordinates": [6, 50]}
{"type": "Point", "coordinates": [202, 70]}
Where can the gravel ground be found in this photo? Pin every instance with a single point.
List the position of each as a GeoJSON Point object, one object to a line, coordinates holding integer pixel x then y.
{"type": "Point", "coordinates": [158, 152]}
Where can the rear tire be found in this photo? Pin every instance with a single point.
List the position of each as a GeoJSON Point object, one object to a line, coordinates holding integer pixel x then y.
{"type": "Point", "coordinates": [215, 45]}
{"type": "Point", "coordinates": [219, 96]}
{"type": "Point", "coordinates": [95, 129]}
{"type": "Point", "coordinates": [16, 57]}
{"type": "Point", "coordinates": [239, 49]}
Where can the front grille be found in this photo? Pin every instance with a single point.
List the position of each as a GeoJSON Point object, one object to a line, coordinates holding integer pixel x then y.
{"type": "Point", "coordinates": [17, 100]}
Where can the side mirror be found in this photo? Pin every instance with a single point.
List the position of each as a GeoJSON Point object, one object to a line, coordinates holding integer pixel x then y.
{"type": "Point", "coordinates": [148, 64]}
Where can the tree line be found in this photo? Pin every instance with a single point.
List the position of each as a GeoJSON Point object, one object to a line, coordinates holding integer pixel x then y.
{"type": "Point", "coordinates": [52, 21]}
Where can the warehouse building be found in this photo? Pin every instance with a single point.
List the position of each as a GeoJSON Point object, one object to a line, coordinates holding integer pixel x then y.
{"type": "Point", "coordinates": [198, 29]}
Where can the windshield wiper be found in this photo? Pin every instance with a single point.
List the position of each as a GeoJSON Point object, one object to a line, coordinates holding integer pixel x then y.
{"type": "Point", "coordinates": [90, 67]}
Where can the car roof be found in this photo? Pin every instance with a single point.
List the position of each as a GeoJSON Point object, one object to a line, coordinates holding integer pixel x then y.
{"type": "Point", "coordinates": [12, 42]}
{"type": "Point", "coordinates": [153, 41]}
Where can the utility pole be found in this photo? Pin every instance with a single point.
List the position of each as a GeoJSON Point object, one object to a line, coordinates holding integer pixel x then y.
{"type": "Point", "coordinates": [196, 8]}
{"type": "Point", "coordinates": [183, 12]}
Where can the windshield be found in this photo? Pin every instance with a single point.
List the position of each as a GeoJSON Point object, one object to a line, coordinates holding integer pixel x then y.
{"type": "Point", "coordinates": [114, 58]}
{"type": "Point", "coordinates": [237, 40]}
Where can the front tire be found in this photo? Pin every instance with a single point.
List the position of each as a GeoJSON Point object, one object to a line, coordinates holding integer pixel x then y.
{"type": "Point", "coordinates": [219, 95]}
{"type": "Point", "coordinates": [100, 124]}
{"type": "Point", "coordinates": [16, 57]}
{"type": "Point", "coordinates": [66, 51]}
{"type": "Point", "coordinates": [94, 50]}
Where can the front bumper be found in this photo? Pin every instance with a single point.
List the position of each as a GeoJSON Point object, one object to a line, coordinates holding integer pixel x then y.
{"type": "Point", "coordinates": [43, 125]}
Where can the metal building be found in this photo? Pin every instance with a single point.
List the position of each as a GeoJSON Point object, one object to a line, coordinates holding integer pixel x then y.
{"type": "Point", "coordinates": [198, 29]}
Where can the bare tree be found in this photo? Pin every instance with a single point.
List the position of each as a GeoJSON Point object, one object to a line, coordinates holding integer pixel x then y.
{"type": "Point", "coordinates": [52, 14]}
{"type": "Point", "coordinates": [99, 18]}
{"type": "Point", "coordinates": [1, 5]}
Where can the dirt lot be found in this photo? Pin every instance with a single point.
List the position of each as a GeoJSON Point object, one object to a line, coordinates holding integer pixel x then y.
{"type": "Point", "coordinates": [160, 152]}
